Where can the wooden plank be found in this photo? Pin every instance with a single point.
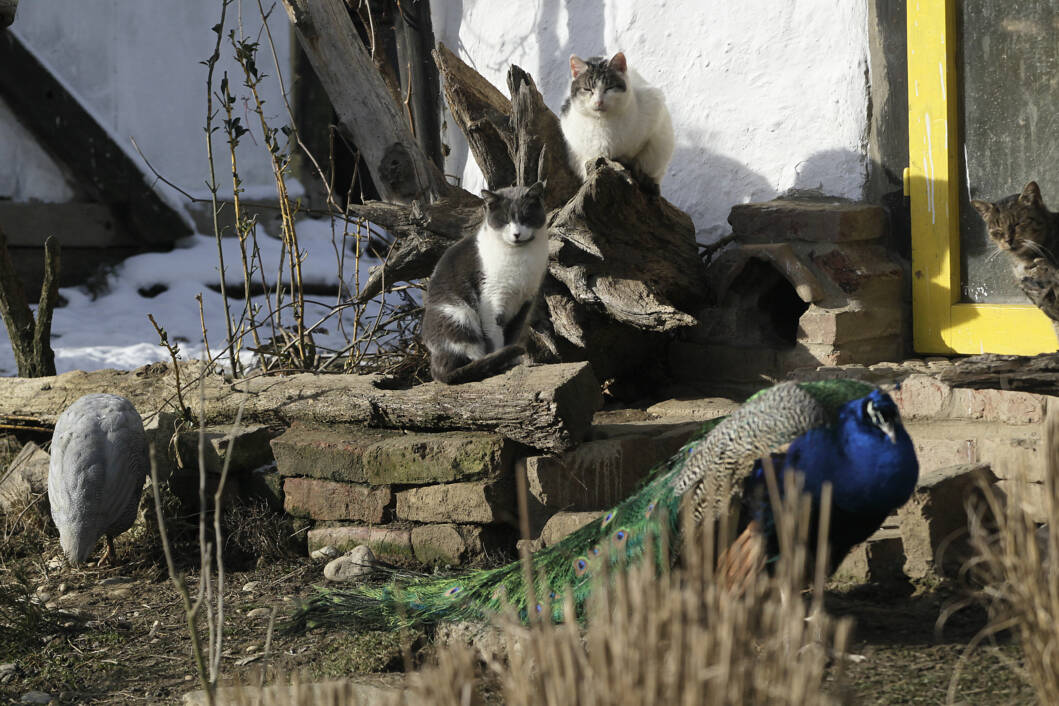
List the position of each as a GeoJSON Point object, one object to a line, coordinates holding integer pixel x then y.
{"type": "Point", "coordinates": [72, 136]}
{"type": "Point", "coordinates": [76, 225]}
{"type": "Point", "coordinates": [367, 113]}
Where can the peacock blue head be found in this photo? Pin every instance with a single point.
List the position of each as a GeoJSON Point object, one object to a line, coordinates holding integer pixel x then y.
{"type": "Point", "coordinates": [879, 410]}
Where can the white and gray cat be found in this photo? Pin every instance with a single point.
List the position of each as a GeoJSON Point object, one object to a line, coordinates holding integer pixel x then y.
{"type": "Point", "coordinates": [484, 287]}
{"type": "Point", "coordinates": [612, 112]}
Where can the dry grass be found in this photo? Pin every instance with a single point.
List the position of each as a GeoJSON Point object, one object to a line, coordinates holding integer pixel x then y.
{"type": "Point", "coordinates": [679, 637]}
{"type": "Point", "coordinates": [1016, 561]}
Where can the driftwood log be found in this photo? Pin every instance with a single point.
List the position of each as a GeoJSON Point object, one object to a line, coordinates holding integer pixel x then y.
{"type": "Point", "coordinates": [547, 407]}
{"type": "Point", "coordinates": [624, 270]}
{"type": "Point", "coordinates": [1038, 374]}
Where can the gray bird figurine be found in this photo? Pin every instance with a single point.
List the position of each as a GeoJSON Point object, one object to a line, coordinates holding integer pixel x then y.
{"type": "Point", "coordinates": [98, 468]}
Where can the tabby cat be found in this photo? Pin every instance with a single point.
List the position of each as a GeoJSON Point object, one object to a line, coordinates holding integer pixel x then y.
{"type": "Point", "coordinates": [1023, 227]}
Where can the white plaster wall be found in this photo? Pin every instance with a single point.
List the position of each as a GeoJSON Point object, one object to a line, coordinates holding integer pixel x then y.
{"type": "Point", "coordinates": [766, 95]}
{"type": "Point", "coordinates": [135, 66]}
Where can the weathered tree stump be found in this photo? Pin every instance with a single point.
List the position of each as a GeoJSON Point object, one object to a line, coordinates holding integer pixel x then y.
{"type": "Point", "coordinates": [624, 270]}
{"type": "Point", "coordinates": [30, 338]}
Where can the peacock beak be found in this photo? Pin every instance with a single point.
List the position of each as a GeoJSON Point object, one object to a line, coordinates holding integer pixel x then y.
{"type": "Point", "coordinates": [888, 429]}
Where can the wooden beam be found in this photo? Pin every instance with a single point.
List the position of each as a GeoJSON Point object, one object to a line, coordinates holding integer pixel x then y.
{"type": "Point", "coordinates": [367, 113]}
{"type": "Point", "coordinates": [72, 136]}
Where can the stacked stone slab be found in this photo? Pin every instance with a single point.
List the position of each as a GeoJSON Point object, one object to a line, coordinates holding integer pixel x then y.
{"type": "Point", "coordinates": [806, 283]}
{"type": "Point", "coordinates": [445, 497]}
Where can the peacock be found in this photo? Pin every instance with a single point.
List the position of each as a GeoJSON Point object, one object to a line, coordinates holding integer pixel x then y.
{"type": "Point", "coordinates": [840, 431]}
{"type": "Point", "coordinates": [97, 472]}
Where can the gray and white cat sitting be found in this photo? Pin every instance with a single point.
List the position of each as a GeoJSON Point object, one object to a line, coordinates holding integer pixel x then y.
{"type": "Point", "coordinates": [484, 287]}
{"type": "Point", "coordinates": [612, 112]}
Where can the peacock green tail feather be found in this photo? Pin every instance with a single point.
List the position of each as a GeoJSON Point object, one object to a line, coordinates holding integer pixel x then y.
{"type": "Point", "coordinates": [636, 527]}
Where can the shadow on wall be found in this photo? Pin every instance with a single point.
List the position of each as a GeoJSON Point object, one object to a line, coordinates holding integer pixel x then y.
{"type": "Point", "coordinates": [585, 23]}
{"type": "Point", "coordinates": [706, 184]}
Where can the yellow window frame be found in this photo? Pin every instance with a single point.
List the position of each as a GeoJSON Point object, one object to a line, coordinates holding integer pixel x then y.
{"type": "Point", "coordinates": [941, 323]}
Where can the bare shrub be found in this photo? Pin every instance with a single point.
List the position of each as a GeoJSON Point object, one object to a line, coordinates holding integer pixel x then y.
{"type": "Point", "coordinates": [1016, 561]}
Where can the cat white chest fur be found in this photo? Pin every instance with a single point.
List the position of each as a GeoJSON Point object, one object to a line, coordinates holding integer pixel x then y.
{"type": "Point", "coordinates": [511, 275]}
{"type": "Point", "coordinates": [612, 112]}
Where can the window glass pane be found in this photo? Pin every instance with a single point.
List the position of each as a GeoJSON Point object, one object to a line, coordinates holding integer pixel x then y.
{"type": "Point", "coordinates": [1009, 112]}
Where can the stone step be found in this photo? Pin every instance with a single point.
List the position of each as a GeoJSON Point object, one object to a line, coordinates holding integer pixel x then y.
{"type": "Point", "coordinates": [1010, 450]}
{"type": "Point", "coordinates": [354, 454]}
{"type": "Point", "coordinates": [601, 473]}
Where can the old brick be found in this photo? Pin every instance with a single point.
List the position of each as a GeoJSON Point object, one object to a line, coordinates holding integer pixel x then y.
{"type": "Point", "coordinates": [479, 502]}
{"type": "Point", "coordinates": [839, 326]}
{"type": "Point", "coordinates": [934, 452]}
{"type": "Point", "coordinates": [816, 221]}
{"type": "Point", "coordinates": [1031, 494]}
{"type": "Point", "coordinates": [248, 448]}
{"type": "Point", "coordinates": [922, 396]}
{"type": "Point", "coordinates": [562, 524]}
{"type": "Point", "coordinates": [329, 500]}
{"type": "Point", "coordinates": [332, 452]}
{"type": "Point", "coordinates": [1004, 406]}
{"type": "Point", "coordinates": [935, 518]}
{"type": "Point", "coordinates": [450, 544]}
{"type": "Point", "coordinates": [387, 543]}
{"type": "Point", "coordinates": [412, 459]}
{"type": "Point", "coordinates": [1014, 456]}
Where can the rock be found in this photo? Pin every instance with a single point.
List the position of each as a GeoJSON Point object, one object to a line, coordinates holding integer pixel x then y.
{"type": "Point", "coordinates": [414, 459]}
{"type": "Point", "coordinates": [563, 523]}
{"type": "Point", "coordinates": [25, 478]}
{"type": "Point", "coordinates": [451, 544]}
{"type": "Point", "coordinates": [880, 560]}
{"type": "Point", "coordinates": [36, 697]}
{"type": "Point", "coordinates": [491, 645]}
{"type": "Point", "coordinates": [332, 452]}
{"type": "Point", "coordinates": [329, 500]}
{"type": "Point", "coordinates": [936, 518]}
{"type": "Point", "coordinates": [479, 502]}
{"type": "Point", "coordinates": [264, 483]}
{"type": "Point", "coordinates": [8, 671]}
{"type": "Point", "coordinates": [251, 586]}
{"type": "Point", "coordinates": [116, 581]}
{"type": "Point", "coordinates": [393, 544]}
{"type": "Point", "coordinates": [247, 449]}
{"type": "Point", "coordinates": [258, 613]}
{"type": "Point", "coordinates": [325, 553]}
{"type": "Point", "coordinates": [352, 567]}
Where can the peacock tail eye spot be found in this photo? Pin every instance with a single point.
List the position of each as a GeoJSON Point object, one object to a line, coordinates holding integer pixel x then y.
{"type": "Point", "coordinates": [539, 607]}
{"type": "Point", "coordinates": [650, 509]}
{"type": "Point", "coordinates": [453, 591]}
{"type": "Point", "coordinates": [551, 596]}
{"type": "Point", "coordinates": [620, 536]}
{"type": "Point", "coordinates": [580, 565]}
{"type": "Point", "coordinates": [607, 518]}
{"type": "Point", "coordinates": [595, 550]}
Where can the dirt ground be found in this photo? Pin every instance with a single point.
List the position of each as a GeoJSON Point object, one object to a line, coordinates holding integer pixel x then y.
{"type": "Point", "coordinates": [121, 637]}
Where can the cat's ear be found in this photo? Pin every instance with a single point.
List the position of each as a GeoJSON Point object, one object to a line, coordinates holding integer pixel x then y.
{"type": "Point", "coordinates": [489, 197]}
{"type": "Point", "coordinates": [536, 190]}
{"type": "Point", "coordinates": [617, 62]}
{"type": "Point", "coordinates": [577, 65]}
{"type": "Point", "coordinates": [1031, 195]}
{"type": "Point", "coordinates": [984, 208]}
